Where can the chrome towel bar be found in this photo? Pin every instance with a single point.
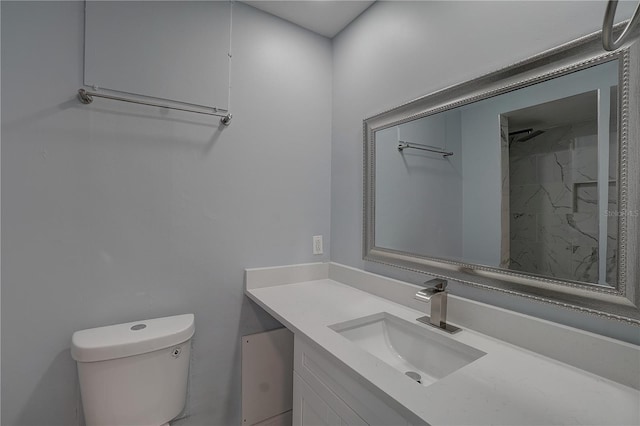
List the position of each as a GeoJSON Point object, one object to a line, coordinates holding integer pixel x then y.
{"type": "Point", "coordinates": [402, 145]}
{"type": "Point", "coordinates": [86, 97]}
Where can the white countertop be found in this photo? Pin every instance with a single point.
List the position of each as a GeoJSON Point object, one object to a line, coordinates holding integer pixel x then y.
{"type": "Point", "coordinates": [509, 385]}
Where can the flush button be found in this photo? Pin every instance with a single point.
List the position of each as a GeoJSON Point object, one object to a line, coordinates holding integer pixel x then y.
{"type": "Point", "coordinates": [138, 327]}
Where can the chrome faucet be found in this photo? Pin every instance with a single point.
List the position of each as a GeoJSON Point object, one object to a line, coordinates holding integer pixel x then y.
{"type": "Point", "coordinates": [436, 295]}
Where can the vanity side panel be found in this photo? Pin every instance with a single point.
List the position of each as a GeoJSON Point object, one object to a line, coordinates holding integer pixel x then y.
{"type": "Point", "coordinates": [267, 374]}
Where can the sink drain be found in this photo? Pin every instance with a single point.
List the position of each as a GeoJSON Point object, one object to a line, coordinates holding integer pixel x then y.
{"type": "Point", "coordinates": [415, 376]}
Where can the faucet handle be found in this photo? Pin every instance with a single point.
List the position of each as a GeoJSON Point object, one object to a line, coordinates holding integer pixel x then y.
{"type": "Point", "coordinates": [434, 287]}
{"type": "Point", "coordinates": [437, 284]}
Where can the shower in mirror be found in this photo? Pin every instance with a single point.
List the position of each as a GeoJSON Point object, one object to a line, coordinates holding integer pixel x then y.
{"type": "Point", "coordinates": [562, 174]}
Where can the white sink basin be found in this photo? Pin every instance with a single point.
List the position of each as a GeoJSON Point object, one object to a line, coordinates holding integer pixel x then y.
{"type": "Point", "coordinates": [407, 347]}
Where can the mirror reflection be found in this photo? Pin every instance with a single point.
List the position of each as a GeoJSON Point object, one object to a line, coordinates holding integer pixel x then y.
{"type": "Point", "coordinates": [555, 170]}
{"type": "Point", "coordinates": [525, 181]}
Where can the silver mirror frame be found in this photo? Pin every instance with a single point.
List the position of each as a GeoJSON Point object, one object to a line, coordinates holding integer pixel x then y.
{"type": "Point", "coordinates": [622, 302]}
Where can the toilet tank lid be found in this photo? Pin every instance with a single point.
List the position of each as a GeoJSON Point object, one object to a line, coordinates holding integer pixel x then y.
{"type": "Point", "coordinates": [132, 338]}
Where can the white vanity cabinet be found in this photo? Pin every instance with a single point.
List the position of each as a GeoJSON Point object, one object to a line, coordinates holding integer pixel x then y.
{"type": "Point", "coordinates": [327, 393]}
{"type": "Point", "coordinates": [541, 373]}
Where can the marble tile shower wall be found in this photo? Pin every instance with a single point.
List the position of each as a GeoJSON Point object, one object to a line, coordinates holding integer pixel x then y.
{"type": "Point", "coordinates": [553, 220]}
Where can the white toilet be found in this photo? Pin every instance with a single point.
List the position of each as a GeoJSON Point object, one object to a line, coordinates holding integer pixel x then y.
{"type": "Point", "coordinates": [134, 374]}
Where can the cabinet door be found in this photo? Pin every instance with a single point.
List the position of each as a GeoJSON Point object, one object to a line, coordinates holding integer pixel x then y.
{"type": "Point", "coordinates": [332, 382]}
{"type": "Point", "coordinates": [311, 410]}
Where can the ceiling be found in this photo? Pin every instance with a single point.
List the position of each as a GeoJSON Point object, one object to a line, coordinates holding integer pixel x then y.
{"type": "Point", "coordinates": [573, 109]}
{"type": "Point", "coordinates": [324, 17]}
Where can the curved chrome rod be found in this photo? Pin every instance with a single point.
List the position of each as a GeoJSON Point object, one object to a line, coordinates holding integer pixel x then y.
{"type": "Point", "coordinates": [87, 97]}
{"type": "Point", "coordinates": [402, 145]}
{"type": "Point", "coordinates": [607, 26]}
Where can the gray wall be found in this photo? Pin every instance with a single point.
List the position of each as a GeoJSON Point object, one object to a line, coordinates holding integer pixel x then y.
{"type": "Point", "coordinates": [134, 58]}
{"type": "Point", "coordinates": [116, 212]}
{"type": "Point", "coordinates": [397, 51]}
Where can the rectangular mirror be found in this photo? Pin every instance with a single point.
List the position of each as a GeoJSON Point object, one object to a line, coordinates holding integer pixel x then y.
{"type": "Point", "coordinates": [516, 181]}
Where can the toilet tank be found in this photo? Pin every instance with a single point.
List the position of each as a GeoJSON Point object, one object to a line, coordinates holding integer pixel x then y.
{"type": "Point", "coordinates": [134, 373]}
